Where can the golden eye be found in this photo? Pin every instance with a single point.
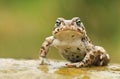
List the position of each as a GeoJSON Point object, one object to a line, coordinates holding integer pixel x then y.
{"type": "Point", "coordinates": [78, 22]}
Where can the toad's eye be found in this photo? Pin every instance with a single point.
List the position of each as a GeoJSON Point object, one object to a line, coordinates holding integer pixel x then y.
{"type": "Point", "coordinates": [78, 22]}
{"type": "Point", "coordinates": [58, 23]}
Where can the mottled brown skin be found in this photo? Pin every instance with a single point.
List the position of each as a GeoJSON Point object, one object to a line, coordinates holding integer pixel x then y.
{"type": "Point", "coordinates": [70, 38]}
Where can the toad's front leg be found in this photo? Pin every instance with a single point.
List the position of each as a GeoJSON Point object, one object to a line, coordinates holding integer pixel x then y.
{"type": "Point", "coordinates": [97, 57]}
{"type": "Point", "coordinates": [44, 49]}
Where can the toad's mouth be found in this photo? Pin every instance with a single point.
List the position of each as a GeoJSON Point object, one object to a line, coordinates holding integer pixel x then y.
{"type": "Point", "coordinates": [68, 34]}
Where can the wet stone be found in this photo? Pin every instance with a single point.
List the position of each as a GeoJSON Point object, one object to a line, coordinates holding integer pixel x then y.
{"type": "Point", "coordinates": [30, 69]}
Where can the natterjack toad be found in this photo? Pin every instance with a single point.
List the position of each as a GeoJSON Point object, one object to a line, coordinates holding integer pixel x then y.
{"type": "Point", "coordinates": [70, 38]}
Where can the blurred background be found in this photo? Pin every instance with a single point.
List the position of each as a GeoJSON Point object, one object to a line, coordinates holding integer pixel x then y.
{"type": "Point", "coordinates": [24, 24]}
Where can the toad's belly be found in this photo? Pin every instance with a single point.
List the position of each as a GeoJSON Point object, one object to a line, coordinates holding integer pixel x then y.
{"type": "Point", "coordinates": [73, 51]}
{"type": "Point", "coordinates": [73, 56]}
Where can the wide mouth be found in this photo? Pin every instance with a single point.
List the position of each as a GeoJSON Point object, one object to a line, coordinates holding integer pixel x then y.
{"type": "Point", "coordinates": [68, 31]}
{"type": "Point", "coordinates": [68, 34]}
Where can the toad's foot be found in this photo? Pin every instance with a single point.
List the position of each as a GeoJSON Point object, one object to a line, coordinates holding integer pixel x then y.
{"type": "Point", "coordinates": [75, 65]}
{"type": "Point", "coordinates": [44, 61]}
{"type": "Point", "coordinates": [70, 65]}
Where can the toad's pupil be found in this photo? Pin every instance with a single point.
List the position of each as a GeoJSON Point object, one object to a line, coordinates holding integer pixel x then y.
{"type": "Point", "coordinates": [58, 23]}
{"type": "Point", "coordinates": [78, 22]}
